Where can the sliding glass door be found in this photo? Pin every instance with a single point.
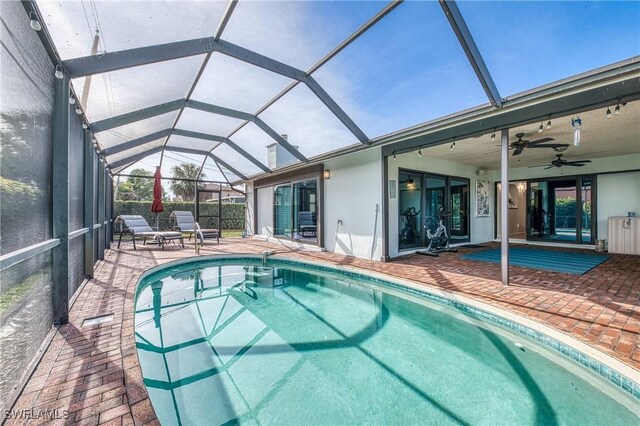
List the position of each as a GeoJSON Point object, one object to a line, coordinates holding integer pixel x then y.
{"type": "Point", "coordinates": [420, 198]}
{"type": "Point", "coordinates": [305, 211]}
{"type": "Point", "coordinates": [559, 209]}
{"type": "Point", "coordinates": [459, 208]}
{"type": "Point", "coordinates": [295, 211]}
{"type": "Point", "coordinates": [282, 211]}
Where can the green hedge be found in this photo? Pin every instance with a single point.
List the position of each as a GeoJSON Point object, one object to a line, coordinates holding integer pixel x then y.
{"type": "Point", "coordinates": [233, 216]}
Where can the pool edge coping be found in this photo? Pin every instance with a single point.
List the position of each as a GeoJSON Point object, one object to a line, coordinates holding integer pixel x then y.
{"type": "Point", "coordinates": [429, 291]}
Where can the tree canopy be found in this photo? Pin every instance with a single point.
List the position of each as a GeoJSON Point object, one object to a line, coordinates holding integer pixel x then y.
{"type": "Point", "coordinates": [136, 188]}
{"type": "Point", "coordinates": [186, 189]}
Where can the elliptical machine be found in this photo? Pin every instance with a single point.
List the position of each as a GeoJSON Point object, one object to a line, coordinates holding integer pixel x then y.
{"type": "Point", "coordinates": [438, 240]}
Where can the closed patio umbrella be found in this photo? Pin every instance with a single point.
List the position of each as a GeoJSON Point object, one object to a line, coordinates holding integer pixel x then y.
{"type": "Point", "coordinates": [157, 206]}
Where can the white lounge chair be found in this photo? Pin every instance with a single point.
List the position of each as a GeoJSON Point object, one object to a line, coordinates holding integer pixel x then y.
{"type": "Point", "coordinates": [138, 227]}
{"type": "Point", "coordinates": [185, 223]}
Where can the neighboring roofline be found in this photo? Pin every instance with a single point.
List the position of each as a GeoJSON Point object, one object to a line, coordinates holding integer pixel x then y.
{"type": "Point", "coordinates": [621, 81]}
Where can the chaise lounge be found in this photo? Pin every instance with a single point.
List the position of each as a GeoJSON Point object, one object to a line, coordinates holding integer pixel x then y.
{"type": "Point", "coordinates": [307, 224]}
{"type": "Point", "coordinates": [138, 227]}
{"type": "Point", "coordinates": [185, 223]}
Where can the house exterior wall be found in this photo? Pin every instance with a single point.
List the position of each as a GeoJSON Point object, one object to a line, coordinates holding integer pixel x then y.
{"type": "Point", "coordinates": [353, 195]}
{"type": "Point", "coordinates": [617, 195]}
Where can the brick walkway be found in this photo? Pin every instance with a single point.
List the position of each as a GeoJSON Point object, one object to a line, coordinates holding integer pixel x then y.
{"type": "Point", "coordinates": [92, 373]}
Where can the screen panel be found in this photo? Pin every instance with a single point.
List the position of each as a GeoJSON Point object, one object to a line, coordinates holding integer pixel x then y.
{"type": "Point", "coordinates": [403, 72]}
{"type": "Point", "coordinates": [237, 85]}
{"type": "Point", "coordinates": [308, 123]}
{"type": "Point", "coordinates": [555, 41]}
{"type": "Point", "coordinates": [73, 24]}
{"type": "Point", "coordinates": [138, 129]}
{"type": "Point", "coordinates": [205, 122]}
{"type": "Point", "coordinates": [114, 93]}
{"type": "Point", "coordinates": [192, 143]}
{"type": "Point", "coordinates": [297, 33]}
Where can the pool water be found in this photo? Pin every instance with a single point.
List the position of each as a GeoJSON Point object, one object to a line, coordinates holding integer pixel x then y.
{"type": "Point", "coordinates": [226, 343]}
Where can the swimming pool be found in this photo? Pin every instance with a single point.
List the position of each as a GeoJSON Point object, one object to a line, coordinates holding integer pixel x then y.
{"type": "Point", "coordinates": [233, 341]}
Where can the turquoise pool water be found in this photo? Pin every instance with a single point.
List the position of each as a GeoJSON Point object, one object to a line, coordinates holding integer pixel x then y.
{"type": "Point", "coordinates": [220, 343]}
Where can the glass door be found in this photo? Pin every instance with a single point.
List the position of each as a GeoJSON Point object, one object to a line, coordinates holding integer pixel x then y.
{"type": "Point", "coordinates": [560, 209]}
{"type": "Point", "coordinates": [282, 211]}
{"type": "Point", "coordinates": [459, 208]}
{"type": "Point", "coordinates": [435, 193]}
{"type": "Point", "coordinates": [410, 210]}
{"type": "Point", "coordinates": [586, 215]}
{"type": "Point", "coordinates": [305, 211]}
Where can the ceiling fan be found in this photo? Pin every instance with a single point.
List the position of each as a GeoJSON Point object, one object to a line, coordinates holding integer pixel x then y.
{"type": "Point", "coordinates": [519, 145]}
{"type": "Point", "coordinates": [560, 162]}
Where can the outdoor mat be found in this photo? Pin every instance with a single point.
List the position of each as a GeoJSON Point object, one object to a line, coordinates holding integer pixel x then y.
{"type": "Point", "coordinates": [471, 246]}
{"type": "Point", "coordinates": [557, 261]}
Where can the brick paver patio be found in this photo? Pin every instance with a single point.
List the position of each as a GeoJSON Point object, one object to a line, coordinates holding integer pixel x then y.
{"type": "Point", "coordinates": [91, 374]}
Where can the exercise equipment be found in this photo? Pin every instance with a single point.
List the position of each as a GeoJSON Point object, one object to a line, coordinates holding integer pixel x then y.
{"type": "Point", "coordinates": [438, 240]}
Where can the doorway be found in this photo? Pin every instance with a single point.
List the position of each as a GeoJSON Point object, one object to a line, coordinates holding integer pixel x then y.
{"type": "Point", "coordinates": [295, 211]}
{"type": "Point", "coordinates": [561, 209]}
{"type": "Point", "coordinates": [421, 196]}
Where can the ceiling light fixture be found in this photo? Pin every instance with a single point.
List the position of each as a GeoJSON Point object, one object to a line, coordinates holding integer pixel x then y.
{"type": "Point", "coordinates": [85, 125]}
{"type": "Point", "coordinates": [609, 113]}
{"type": "Point", "coordinates": [453, 145]}
{"type": "Point", "coordinates": [35, 24]}
{"type": "Point", "coordinates": [549, 123]}
{"type": "Point", "coordinates": [58, 73]}
{"type": "Point", "coordinates": [541, 128]}
{"type": "Point", "coordinates": [78, 111]}
{"type": "Point", "coordinates": [420, 153]}
{"type": "Point", "coordinates": [616, 111]}
{"type": "Point", "coordinates": [576, 123]}
{"type": "Point", "coordinates": [72, 100]}
{"type": "Point", "coordinates": [394, 154]}
{"type": "Point", "coordinates": [493, 136]}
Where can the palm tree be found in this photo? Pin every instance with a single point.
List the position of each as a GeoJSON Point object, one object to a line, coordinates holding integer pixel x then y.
{"type": "Point", "coordinates": [186, 188]}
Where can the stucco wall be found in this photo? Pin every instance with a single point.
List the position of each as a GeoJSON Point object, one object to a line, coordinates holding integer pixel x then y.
{"type": "Point", "coordinates": [617, 195]}
{"type": "Point", "coordinates": [354, 196]}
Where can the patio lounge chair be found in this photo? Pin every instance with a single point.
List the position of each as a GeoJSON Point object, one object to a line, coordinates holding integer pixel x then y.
{"type": "Point", "coordinates": [185, 223]}
{"type": "Point", "coordinates": [306, 224]}
{"type": "Point", "coordinates": [138, 227]}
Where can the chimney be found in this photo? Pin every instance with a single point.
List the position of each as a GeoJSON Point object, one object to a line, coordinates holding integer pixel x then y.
{"type": "Point", "coordinates": [278, 156]}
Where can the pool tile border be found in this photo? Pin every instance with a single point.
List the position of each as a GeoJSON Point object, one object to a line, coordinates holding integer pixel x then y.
{"type": "Point", "coordinates": [585, 361]}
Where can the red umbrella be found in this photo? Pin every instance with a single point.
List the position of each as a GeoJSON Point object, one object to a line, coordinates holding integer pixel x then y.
{"type": "Point", "coordinates": [157, 206]}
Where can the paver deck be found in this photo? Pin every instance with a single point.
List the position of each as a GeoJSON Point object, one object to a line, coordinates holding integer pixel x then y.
{"type": "Point", "coordinates": [91, 374]}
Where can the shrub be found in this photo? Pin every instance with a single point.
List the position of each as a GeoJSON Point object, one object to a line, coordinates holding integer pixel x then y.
{"type": "Point", "coordinates": [233, 215]}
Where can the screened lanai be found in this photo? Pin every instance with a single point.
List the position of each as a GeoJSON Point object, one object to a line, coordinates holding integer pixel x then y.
{"type": "Point", "coordinates": [218, 82]}
{"type": "Point", "coordinates": [95, 89]}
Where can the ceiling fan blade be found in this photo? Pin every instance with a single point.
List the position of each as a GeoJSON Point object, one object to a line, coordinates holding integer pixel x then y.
{"type": "Point", "coordinates": [518, 151]}
{"type": "Point", "coordinates": [572, 164]}
{"type": "Point", "coordinates": [550, 167]}
{"type": "Point", "coordinates": [536, 142]}
{"type": "Point", "coordinates": [553, 145]}
{"type": "Point", "coordinates": [539, 165]}
{"type": "Point", "coordinates": [579, 161]}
